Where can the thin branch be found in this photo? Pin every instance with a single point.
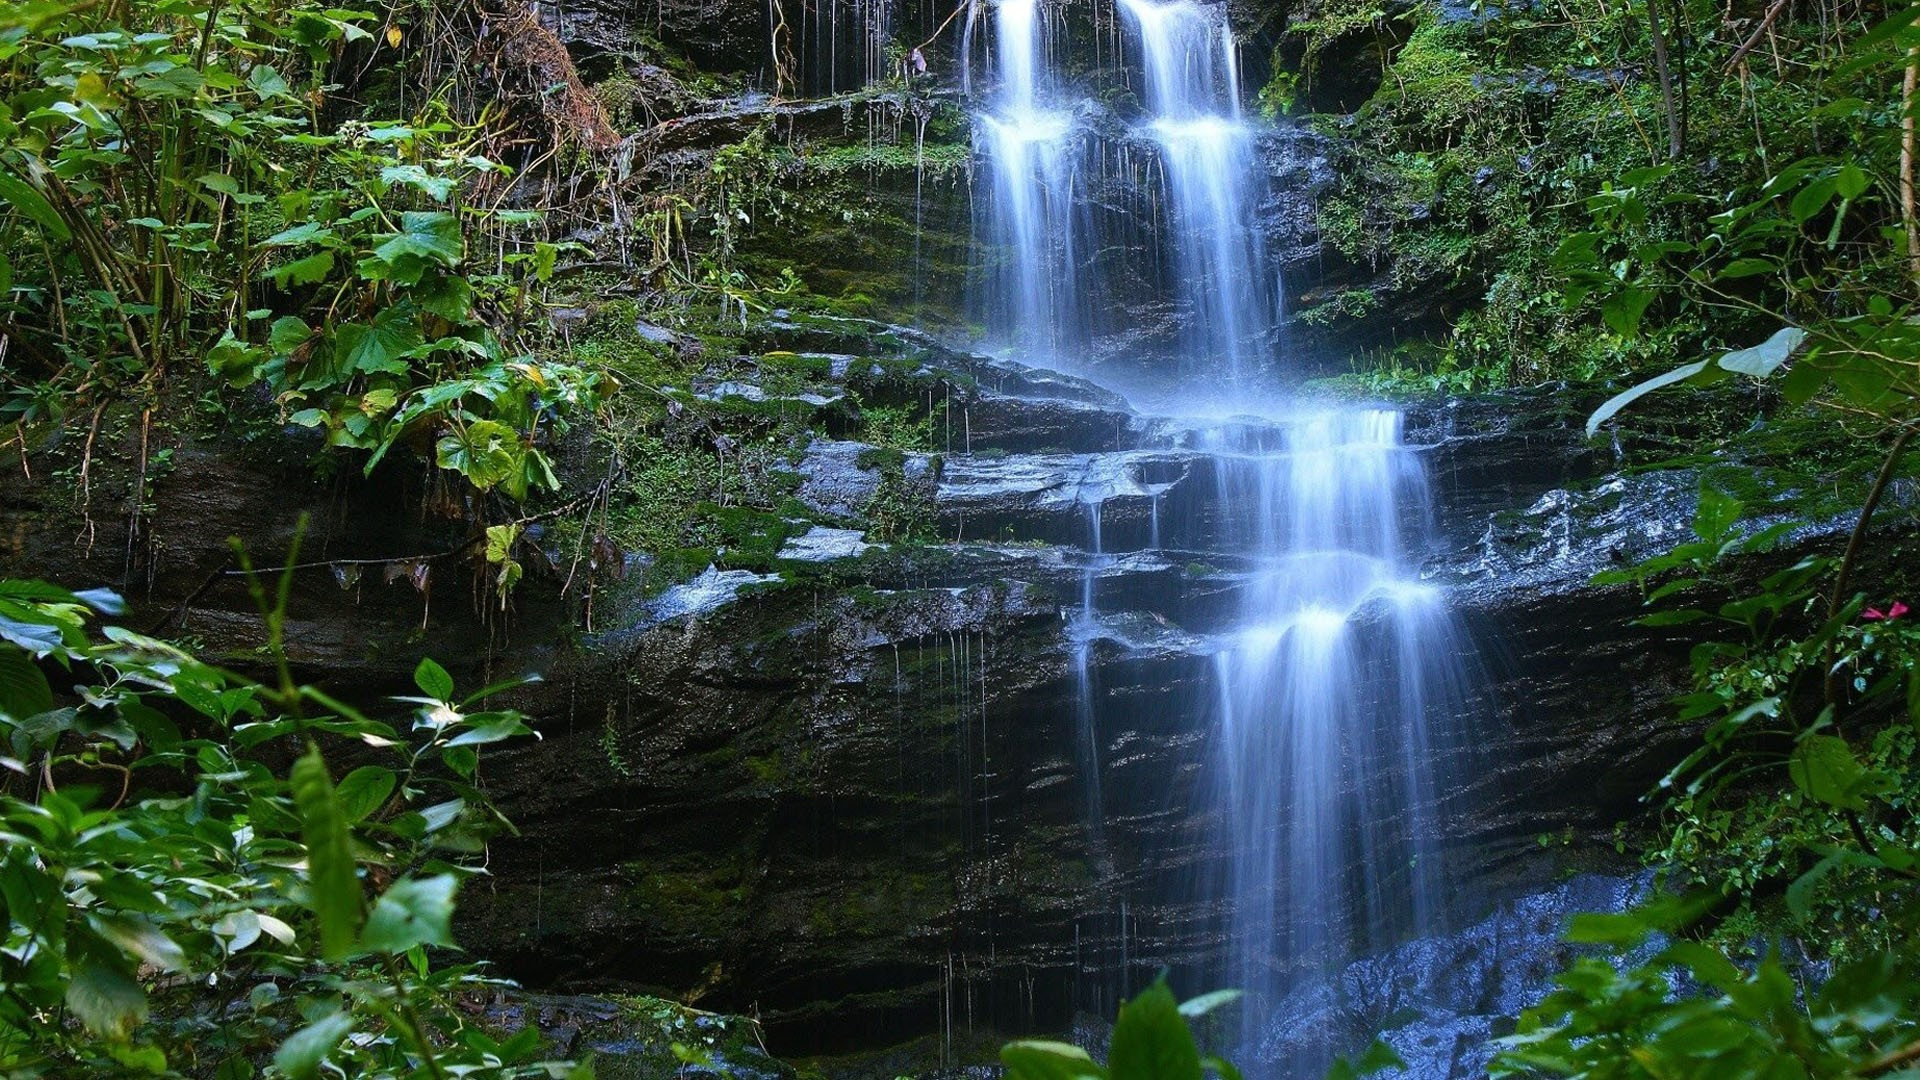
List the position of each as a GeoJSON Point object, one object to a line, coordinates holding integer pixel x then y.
{"type": "Point", "coordinates": [1760, 31]}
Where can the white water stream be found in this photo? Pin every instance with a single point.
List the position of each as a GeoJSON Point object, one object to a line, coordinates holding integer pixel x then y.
{"type": "Point", "coordinates": [1339, 656]}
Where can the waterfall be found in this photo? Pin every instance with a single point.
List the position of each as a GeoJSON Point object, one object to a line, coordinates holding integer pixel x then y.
{"type": "Point", "coordinates": [1206, 152]}
{"type": "Point", "coordinates": [1032, 151]}
{"type": "Point", "coordinates": [1324, 778]}
{"type": "Point", "coordinates": [1336, 659]}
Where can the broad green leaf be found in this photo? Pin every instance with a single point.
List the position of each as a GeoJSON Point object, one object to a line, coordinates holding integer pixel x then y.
{"type": "Point", "coordinates": [311, 232]}
{"type": "Point", "coordinates": [1038, 1059]}
{"type": "Point", "coordinates": [288, 333]}
{"type": "Point", "coordinates": [1376, 1058]}
{"type": "Point", "coordinates": [379, 346]}
{"type": "Point", "coordinates": [238, 929]}
{"type": "Point", "coordinates": [486, 453]}
{"type": "Point", "coordinates": [1850, 182]}
{"type": "Point", "coordinates": [141, 939]}
{"type": "Point", "coordinates": [106, 999]}
{"type": "Point", "coordinates": [500, 541]}
{"type": "Point", "coordinates": [364, 790]}
{"type": "Point", "coordinates": [1151, 1040]}
{"type": "Point", "coordinates": [433, 680]}
{"type": "Point", "coordinates": [1824, 768]}
{"type": "Point", "coordinates": [484, 728]}
{"type": "Point", "coordinates": [1608, 928]}
{"type": "Point", "coordinates": [38, 638]}
{"type": "Point", "coordinates": [428, 234]}
{"type": "Point", "coordinates": [1623, 310]}
{"type": "Point", "coordinates": [434, 187]}
{"type": "Point", "coordinates": [1800, 894]}
{"type": "Point", "coordinates": [1813, 198]}
{"type": "Point", "coordinates": [24, 197]}
{"type": "Point", "coordinates": [314, 268]}
{"type": "Point", "coordinates": [144, 1059]}
{"type": "Point", "coordinates": [333, 883]}
{"type": "Point", "coordinates": [413, 911]}
{"type": "Point", "coordinates": [1627, 397]}
{"type": "Point", "coordinates": [449, 296]}
{"type": "Point", "coordinates": [1715, 514]}
{"type": "Point", "coordinates": [1743, 268]}
{"type": "Point", "coordinates": [300, 1056]}
{"type": "Point", "coordinates": [1765, 358]}
{"type": "Point", "coordinates": [24, 690]}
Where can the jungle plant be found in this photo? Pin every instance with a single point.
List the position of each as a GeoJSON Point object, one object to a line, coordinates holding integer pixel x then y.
{"type": "Point", "coordinates": [205, 875]}
{"type": "Point", "coordinates": [177, 182]}
{"type": "Point", "coordinates": [1153, 1039]}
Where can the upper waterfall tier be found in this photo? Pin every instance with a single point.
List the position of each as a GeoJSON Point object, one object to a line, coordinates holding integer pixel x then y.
{"type": "Point", "coordinates": [1176, 213]}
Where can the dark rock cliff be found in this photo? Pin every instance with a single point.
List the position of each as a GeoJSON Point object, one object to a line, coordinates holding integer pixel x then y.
{"type": "Point", "coordinates": [847, 794]}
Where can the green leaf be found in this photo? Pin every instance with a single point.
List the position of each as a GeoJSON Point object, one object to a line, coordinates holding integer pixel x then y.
{"type": "Point", "coordinates": [1824, 768]}
{"type": "Point", "coordinates": [1800, 894]}
{"type": "Point", "coordinates": [500, 541]}
{"type": "Point", "coordinates": [106, 999]}
{"type": "Point", "coordinates": [449, 296]}
{"type": "Point", "coordinates": [288, 333]}
{"type": "Point", "coordinates": [24, 690]}
{"type": "Point", "coordinates": [1744, 268]}
{"type": "Point", "coordinates": [379, 346]}
{"type": "Point", "coordinates": [1151, 1040]}
{"type": "Point", "coordinates": [1377, 1058]}
{"type": "Point", "coordinates": [300, 1056]}
{"type": "Point", "coordinates": [484, 728]}
{"type": "Point", "coordinates": [1715, 514]}
{"type": "Point", "coordinates": [486, 453]}
{"type": "Point", "coordinates": [433, 680]}
{"type": "Point", "coordinates": [1765, 358]}
{"type": "Point", "coordinates": [1627, 397]}
{"type": "Point", "coordinates": [147, 1059]}
{"type": "Point", "coordinates": [1813, 198]}
{"type": "Point", "coordinates": [141, 939]}
{"type": "Point", "coordinates": [434, 187]}
{"type": "Point", "coordinates": [413, 911]}
{"type": "Point", "coordinates": [311, 232]}
{"type": "Point", "coordinates": [1038, 1059]}
{"type": "Point", "coordinates": [314, 268]}
{"type": "Point", "coordinates": [1850, 182]}
{"type": "Point", "coordinates": [333, 884]}
{"type": "Point", "coordinates": [428, 234]}
{"type": "Point", "coordinates": [364, 790]}
{"type": "Point", "coordinates": [1623, 310]}
{"type": "Point", "coordinates": [27, 199]}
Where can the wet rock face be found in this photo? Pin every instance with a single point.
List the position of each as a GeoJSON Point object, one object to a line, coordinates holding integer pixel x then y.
{"type": "Point", "coordinates": [851, 793]}
{"type": "Point", "coordinates": [1440, 1000]}
{"type": "Point", "coordinates": [857, 796]}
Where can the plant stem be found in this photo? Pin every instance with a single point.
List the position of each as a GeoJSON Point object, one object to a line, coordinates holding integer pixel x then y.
{"type": "Point", "coordinates": [1908, 217]}
{"type": "Point", "coordinates": [1859, 537]}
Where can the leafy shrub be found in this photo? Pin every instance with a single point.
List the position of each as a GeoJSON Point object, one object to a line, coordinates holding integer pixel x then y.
{"type": "Point", "coordinates": [206, 875]}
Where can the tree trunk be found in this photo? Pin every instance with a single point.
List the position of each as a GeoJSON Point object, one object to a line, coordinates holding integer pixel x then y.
{"type": "Point", "coordinates": [1676, 133]}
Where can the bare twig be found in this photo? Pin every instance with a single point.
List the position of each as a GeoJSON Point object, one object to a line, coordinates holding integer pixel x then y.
{"type": "Point", "coordinates": [1760, 31]}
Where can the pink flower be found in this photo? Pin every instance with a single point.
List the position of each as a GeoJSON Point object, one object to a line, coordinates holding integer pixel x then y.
{"type": "Point", "coordinates": [1894, 611]}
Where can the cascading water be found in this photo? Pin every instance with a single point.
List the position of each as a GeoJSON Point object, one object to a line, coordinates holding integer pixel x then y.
{"type": "Point", "coordinates": [1337, 655]}
{"type": "Point", "coordinates": [1322, 744]}
{"type": "Point", "coordinates": [1206, 154]}
{"type": "Point", "coordinates": [1032, 151]}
